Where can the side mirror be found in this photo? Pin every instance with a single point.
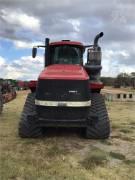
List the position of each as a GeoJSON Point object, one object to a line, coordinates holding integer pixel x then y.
{"type": "Point", "coordinates": [34, 52]}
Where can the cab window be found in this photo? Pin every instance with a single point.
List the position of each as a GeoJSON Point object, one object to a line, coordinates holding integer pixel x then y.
{"type": "Point", "coordinates": [66, 55]}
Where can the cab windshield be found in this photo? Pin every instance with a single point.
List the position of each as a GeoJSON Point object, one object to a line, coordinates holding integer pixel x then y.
{"type": "Point", "coordinates": [66, 54]}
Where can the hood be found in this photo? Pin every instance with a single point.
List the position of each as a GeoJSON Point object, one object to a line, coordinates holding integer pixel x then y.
{"type": "Point", "coordinates": [62, 71]}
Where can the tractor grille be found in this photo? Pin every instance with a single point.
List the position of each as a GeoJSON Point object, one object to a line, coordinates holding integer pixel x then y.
{"type": "Point", "coordinates": [63, 90]}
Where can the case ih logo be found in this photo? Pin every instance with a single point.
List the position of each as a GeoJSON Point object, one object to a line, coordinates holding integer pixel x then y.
{"type": "Point", "coordinates": [73, 91]}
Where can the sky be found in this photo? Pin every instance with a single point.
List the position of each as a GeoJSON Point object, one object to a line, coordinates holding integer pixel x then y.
{"type": "Point", "coordinates": [25, 23]}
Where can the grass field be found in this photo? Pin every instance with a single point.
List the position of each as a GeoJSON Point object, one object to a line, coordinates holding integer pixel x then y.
{"type": "Point", "coordinates": [64, 154]}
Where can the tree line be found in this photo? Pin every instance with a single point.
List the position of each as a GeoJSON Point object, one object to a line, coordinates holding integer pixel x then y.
{"type": "Point", "coordinates": [122, 80]}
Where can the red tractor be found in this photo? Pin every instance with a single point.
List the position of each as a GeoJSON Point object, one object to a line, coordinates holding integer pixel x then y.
{"type": "Point", "coordinates": [1, 101]}
{"type": "Point", "coordinates": [7, 93]}
{"type": "Point", "coordinates": [67, 93]}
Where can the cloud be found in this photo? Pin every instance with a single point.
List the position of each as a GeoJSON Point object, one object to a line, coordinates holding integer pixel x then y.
{"type": "Point", "coordinates": [20, 19]}
{"type": "Point", "coordinates": [111, 62]}
{"type": "Point", "coordinates": [25, 44]}
{"type": "Point", "coordinates": [24, 23]}
{"type": "Point", "coordinates": [25, 68]}
{"type": "Point", "coordinates": [18, 25]}
{"type": "Point", "coordinates": [87, 17]}
{"type": "Point", "coordinates": [2, 61]}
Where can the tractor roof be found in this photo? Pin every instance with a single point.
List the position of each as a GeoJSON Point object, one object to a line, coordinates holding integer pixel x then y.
{"type": "Point", "coordinates": [66, 42]}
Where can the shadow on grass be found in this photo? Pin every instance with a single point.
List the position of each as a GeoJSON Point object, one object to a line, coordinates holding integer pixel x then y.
{"type": "Point", "coordinates": [129, 162]}
{"type": "Point", "coordinates": [126, 131]}
{"type": "Point", "coordinates": [106, 142]}
{"type": "Point", "coordinates": [94, 158]}
{"type": "Point", "coordinates": [117, 155]}
{"type": "Point", "coordinates": [55, 150]}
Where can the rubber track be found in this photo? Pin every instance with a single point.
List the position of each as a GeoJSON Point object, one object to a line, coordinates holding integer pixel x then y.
{"type": "Point", "coordinates": [100, 127]}
{"type": "Point", "coordinates": [29, 128]}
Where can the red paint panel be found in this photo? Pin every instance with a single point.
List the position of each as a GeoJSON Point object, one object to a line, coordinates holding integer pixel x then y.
{"type": "Point", "coordinates": [62, 71]}
{"type": "Point", "coordinates": [32, 84]}
{"type": "Point", "coordinates": [59, 43]}
{"type": "Point", "coordinates": [22, 84]}
{"type": "Point", "coordinates": [95, 85]}
{"type": "Point", "coordinates": [8, 97]}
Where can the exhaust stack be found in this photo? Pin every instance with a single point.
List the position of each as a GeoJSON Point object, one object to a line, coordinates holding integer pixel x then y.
{"type": "Point", "coordinates": [97, 38]}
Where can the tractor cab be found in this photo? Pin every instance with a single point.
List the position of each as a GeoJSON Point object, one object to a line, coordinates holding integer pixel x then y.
{"type": "Point", "coordinates": [62, 52]}
{"type": "Point", "coordinates": [66, 53]}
